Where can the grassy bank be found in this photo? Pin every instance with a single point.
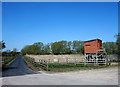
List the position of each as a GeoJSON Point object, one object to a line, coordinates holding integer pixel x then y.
{"type": "Point", "coordinates": [7, 63]}
{"type": "Point", "coordinates": [33, 65]}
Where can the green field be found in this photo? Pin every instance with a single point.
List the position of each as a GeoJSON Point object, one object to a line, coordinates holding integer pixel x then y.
{"type": "Point", "coordinates": [71, 67]}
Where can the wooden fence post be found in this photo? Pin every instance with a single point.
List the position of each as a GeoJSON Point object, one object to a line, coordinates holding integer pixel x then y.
{"type": "Point", "coordinates": [75, 61]}
{"type": "Point", "coordinates": [47, 65]}
{"type": "Point", "coordinates": [67, 60]}
{"type": "Point", "coordinates": [58, 60]}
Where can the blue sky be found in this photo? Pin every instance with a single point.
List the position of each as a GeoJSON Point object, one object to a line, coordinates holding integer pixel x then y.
{"type": "Point", "coordinates": [28, 22]}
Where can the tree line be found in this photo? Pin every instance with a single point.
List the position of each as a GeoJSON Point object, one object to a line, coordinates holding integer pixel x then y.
{"type": "Point", "coordinates": [7, 52]}
{"type": "Point", "coordinates": [110, 47]}
{"type": "Point", "coordinates": [10, 53]}
{"type": "Point", "coordinates": [60, 47]}
{"type": "Point", "coordinates": [64, 47]}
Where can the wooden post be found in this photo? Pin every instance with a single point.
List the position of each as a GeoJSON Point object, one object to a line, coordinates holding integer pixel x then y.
{"type": "Point", "coordinates": [96, 59]}
{"type": "Point", "coordinates": [85, 59]}
{"type": "Point", "coordinates": [75, 61]}
{"type": "Point", "coordinates": [106, 60]}
{"type": "Point", "coordinates": [47, 65]}
{"type": "Point", "coordinates": [67, 60]}
{"type": "Point", "coordinates": [49, 61]}
{"type": "Point", "coordinates": [58, 60]}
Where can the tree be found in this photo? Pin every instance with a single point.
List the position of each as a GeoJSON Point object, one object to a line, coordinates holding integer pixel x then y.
{"type": "Point", "coordinates": [36, 48]}
{"type": "Point", "coordinates": [110, 47]}
{"type": "Point", "coordinates": [15, 50]}
{"type": "Point", "coordinates": [69, 47]}
{"type": "Point", "coordinates": [60, 47]}
{"type": "Point", "coordinates": [47, 49]}
{"type": "Point", "coordinates": [78, 46]}
{"type": "Point", "coordinates": [2, 45]}
{"type": "Point", "coordinates": [118, 43]}
{"type": "Point", "coordinates": [55, 48]}
{"type": "Point", "coordinates": [39, 48]}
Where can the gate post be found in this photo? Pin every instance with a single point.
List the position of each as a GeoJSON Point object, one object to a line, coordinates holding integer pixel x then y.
{"type": "Point", "coordinates": [96, 59]}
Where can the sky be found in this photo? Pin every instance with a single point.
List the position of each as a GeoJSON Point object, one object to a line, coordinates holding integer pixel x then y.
{"type": "Point", "coordinates": [24, 23]}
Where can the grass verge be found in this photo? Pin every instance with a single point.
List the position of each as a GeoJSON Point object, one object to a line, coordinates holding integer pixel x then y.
{"type": "Point", "coordinates": [9, 62]}
{"type": "Point", "coordinates": [72, 67]}
{"type": "Point", "coordinates": [4, 66]}
{"type": "Point", "coordinates": [33, 66]}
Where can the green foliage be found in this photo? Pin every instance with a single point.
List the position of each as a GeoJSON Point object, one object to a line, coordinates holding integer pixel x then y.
{"type": "Point", "coordinates": [59, 47]}
{"type": "Point", "coordinates": [8, 62]}
{"type": "Point", "coordinates": [56, 67]}
{"type": "Point", "coordinates": [2, 45]}
{"type": "Point", "coordinates": [10, 53]}
{"type": "Point", "coordinates": [36, 48]}
{"type": "Point", "coordinates": [64, 47]}
{"type": "Point", "coordinates": [110, 47]}
{"type": "Point", "coordinates": [47, 49]}
{"type": "Point", "coordinates": [15, 50]}
{"type": "Point", "coordinates": [78, 46]}
{"type": "Point", "coordinates": [118, 43]}
{"type": "Point", "coordinates": [27, 60]}
{"type": "Point", "coordinates": [35, 64]}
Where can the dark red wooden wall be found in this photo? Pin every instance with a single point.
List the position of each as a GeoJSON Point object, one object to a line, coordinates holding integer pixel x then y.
{"type": "Point", "coordinates": [93, 46]}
